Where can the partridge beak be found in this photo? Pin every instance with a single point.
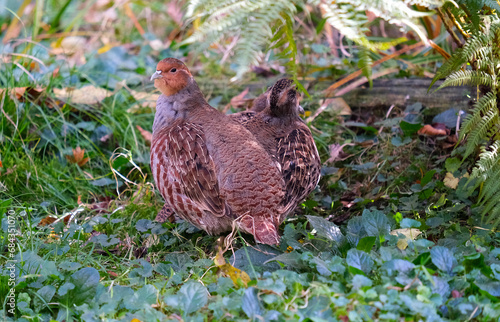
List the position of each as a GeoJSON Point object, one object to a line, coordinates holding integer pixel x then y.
{"type": "Point", "coordinates": [301, 110]}
{"type": "Point", "coordinates": [156, 75]}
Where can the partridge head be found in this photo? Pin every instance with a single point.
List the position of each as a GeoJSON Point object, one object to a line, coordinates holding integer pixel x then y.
{"type": "Point", "coordinates": [210, 170]}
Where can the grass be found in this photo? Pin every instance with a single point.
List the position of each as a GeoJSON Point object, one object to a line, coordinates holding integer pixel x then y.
{"type": "Point", "coordinates": [86, 246]}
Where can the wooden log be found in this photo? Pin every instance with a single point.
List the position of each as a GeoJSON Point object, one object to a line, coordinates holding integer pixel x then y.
{"type": "Point", "coordinates": [385, 92]}
{"type": "Point", "coordinates": [402, 92]}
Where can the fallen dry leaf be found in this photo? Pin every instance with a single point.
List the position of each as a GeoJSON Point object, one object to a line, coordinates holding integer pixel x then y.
{"type": "Point", "coordinates": [77, 157]}
{"type": "Point", "coordinates": [336, 152]}
{"type": "Point", "coordinates": [89, 95]}
{"type": "Point", "coordinates": [337, 105]}
{"type": "Point", "coordinates": [19, 93]}
{"type": "Point", "coordinates": [436, 129]}
{"type": "Point", "coordinates": [229, 270]}
{"type": "Point", "coordinates": [145, 134]}
{"type": "Point", "coordinates": [51, 219]}
{"type": "Point", "coordinates": [68, 45]}
{"type": "Point", "coordinates": [451, 182]}
{"type": "Point", "coordinates": [113, 274]}
{"type": "Point", "coordinates": [409, 233]}
{"type": "Point", "coordinates": [106, 137]}
{"type": "Point", "coordinates": [238, 102]}
{"type": "Point", "coordinates": [144, 99]}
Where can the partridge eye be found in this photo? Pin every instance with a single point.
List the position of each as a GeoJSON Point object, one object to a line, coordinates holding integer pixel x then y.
{"type": "Point", "coordinates": [173, 70]}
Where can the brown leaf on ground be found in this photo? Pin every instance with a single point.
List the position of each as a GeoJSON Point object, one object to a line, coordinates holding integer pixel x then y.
{"type": "Point", "coordinates": [230, 271]}
{"type": "Point", "coordinates": [51, 219]}
{"type": "Point", "coordinates": [113, 274]}
{"type": "Point", "coordinates": [239, 101]}
{"type": "Point", "coordinates": [337, 105]}
{"type": "Point", "coordinates": [336, 153]}
{"type": "Point", "coordinates": [106, 137]}
{"type": "Point", "coordinates": [89, 95]}
{"type": "Point", "coordinates": [436, 129]}
{"type": "Point", "coordinates": [77, 157]}
{"type": "Point", "coordinates": [20, 93]}
{"type": "Point", "coordinates": [451, 182]}
{"type": "Point", "coordinates": [68, 46]}
{"type": "Point", "coordinates": [144, 100]}
{"type": "Point", "coordinates": [145, 134]}
{"type": "Point", "coordinates": [102, 206]}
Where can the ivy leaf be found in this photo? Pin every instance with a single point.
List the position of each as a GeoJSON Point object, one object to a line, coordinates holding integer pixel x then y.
{"type": "Point", "coordinates": [366, 243]}
{"type": "Point", "coordinates": [489, 286]}
{"type": "Point", "coordinates": [65, 288]}
{"type": "Point", "coordinates": [250, 303]}
{"type": "Point", "coordinates": [193, 296]}
{"type": "Point", "coordinates": [85, 282]}
{"type": "Point", "coordinates": [327, 229]}
{"type": "Point", "coordinates": [375, 223]}
{"type": "Point", "coordinates": [45, 294]}
{"type": "Point", "coordinates": [145, 271]}
{"type": "Point", "coordinates": [179, 261]}
{"type": "Point", "coordinates": [360, 260]}
{"type": "Point", "coordinates": [144, 225]}
{"type": "Point", "coordinates": [410, 223]}
{"type": "Point", "coordinates": [443, 258]}
{"type": "Point", "coordinates": [355, 230]}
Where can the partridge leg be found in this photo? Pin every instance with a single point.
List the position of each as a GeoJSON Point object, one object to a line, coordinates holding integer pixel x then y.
{"type": "Point", "coordinates": [166, 214]}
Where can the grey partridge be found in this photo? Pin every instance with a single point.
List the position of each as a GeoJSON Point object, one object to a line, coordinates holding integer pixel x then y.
{"type": "Point", "coordinates": [210, 169]}
{"type": "Point", "coordinates": [287, 139]}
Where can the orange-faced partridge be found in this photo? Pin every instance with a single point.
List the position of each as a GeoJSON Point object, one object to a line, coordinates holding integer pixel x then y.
{"type": "Point", "coordinates": [287, 139]}
{"type": "Point", "coordinates": [210, 170]}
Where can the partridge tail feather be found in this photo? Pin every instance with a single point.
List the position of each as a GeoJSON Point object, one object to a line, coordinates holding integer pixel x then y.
{"type": "Point", "coordinates": [264, 231]}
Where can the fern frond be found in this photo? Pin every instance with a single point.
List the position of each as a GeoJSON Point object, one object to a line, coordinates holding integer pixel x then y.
{"type": "Point", "coordinates": [484, 104]}
{"type": "Point", "coordinates": [469, 77]}
{"type": "Point", "coordinates": [480, 131]}
{"type": "Point", "coordinates": [283, 37]}
{"type": "Point", "coordinates": [365, 63]}
{"type": "Point", "coordinates": [249, 21]}
{"type": "Point", "coordinates": [488, 160]}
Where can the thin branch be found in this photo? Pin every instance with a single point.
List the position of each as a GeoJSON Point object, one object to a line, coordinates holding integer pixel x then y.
{"type": "Point", "coordinates": [449, 28]}
{"type": "Point", "coordinates": [330, 90]}
{"type": "Point", "coordinates": [349, 88]}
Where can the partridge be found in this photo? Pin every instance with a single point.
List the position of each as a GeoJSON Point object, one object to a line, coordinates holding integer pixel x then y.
{"type": "Point", "coordinates": [287, 139]}
{"type": "Point", "coordinates": [210, 169]}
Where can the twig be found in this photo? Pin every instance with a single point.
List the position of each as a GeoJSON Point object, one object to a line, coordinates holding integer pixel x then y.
{"type": "Point", "coordinates": [132, 17]}
{"type": "Point", "coordinates": [449, 28]}
{"type": "Point", "coordinates": [440, 50]}
{"type": "Point", "coordinates": [332, 88]}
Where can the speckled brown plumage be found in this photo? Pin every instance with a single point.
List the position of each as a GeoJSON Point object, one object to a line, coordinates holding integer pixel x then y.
{"type": "Point", "coordinates": [288, 140]}
{"type": "Point", "coordinates": [209, 169]}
